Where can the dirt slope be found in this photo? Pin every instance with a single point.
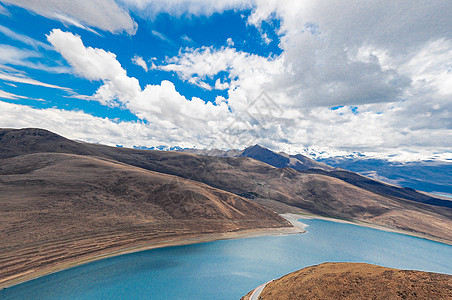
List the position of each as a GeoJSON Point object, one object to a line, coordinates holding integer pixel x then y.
{"type": "Point", "coordinates": [60, 207]}
{"type": "Point", "coordinates": [358, 281]}
{"type": "Point", "coordinates": [312, 192]}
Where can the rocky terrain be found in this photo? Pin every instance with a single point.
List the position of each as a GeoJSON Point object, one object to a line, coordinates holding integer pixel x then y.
{"type": "Point", "coordinates": [357, 281]}
{"type": "Point", "coordinates": [349, 196]}
{"type": "Point", "coordinates": [57, 208]}
{"type": "Point", "coordinates": [63, 202]}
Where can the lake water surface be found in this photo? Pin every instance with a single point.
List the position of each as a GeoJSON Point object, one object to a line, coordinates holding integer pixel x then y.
{"type": "Point", "coordinates": [229, 269]}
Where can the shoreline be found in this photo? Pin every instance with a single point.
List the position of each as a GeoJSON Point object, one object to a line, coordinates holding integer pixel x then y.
{"type": "Point", "coordinates": [374, 226]}
{"type": "Point", "coordinates": [177, 241]}
{"type": "Point", "coordinates": [293, 218]}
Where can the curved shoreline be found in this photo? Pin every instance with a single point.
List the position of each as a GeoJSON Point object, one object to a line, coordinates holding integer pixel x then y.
{"type": "Point", "coordinates": [177, 241]}
{"type": "Point", "coordinates": [350, 280]}
{"type": "Point", "coordinates": [298, 227]}
{"type": "Point", "coordinates": [375, 226]}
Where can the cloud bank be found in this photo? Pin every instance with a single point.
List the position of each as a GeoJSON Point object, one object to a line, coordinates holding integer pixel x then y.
{"type": "Point", "coordinates": [367, 76]}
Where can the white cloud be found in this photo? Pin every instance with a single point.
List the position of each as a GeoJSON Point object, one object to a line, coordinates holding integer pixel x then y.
{"type": "Point", "coordinates": [187, 39]}
{"type": "Point", "coordinates": [23, 38]}
{"type": "Point", "coordinates": [10, 55]}
{"type": "Point", "coordinates": [68, 21]}
{"type": "Point", "coordinates": [161, 105]}
{"type": "Point", "coordinates": [230, 42]}
{"type": "Point", "coordinates": [7, 95]}
{"type": "Point", "coordinates": [10, 84]}
{"type": "Point", "coordinates": [81, 126]}
{"type": "Point", "coordinates": [96, 64]}
{"type": "Point", "coordinates": [27, 80]}
{"type": "Point", "coordinates": [76, 125]}
{"type": "Point", "coordinates": [103, 14]}
{"type": "Point", "coordinates": [15, 56]}
{"type": "Point", "coordinates": [390, 59]}
{"type": "Point", "coordinates": [430, 67]}
{"type": "Point", "coordinates": [266, 38]}
{"type": "Point", "coordinates": [243, 69]}
{"type": "Point", "coordinates": [3, 10]}
{"type": "Point", "coordinates": [288, 125]}
{"type": "Point", "coordinates": [221, 85]}
{"type": "Point", "coordinates": [320, 48]}
{"type": "Point", "coordinates": [161, 36]}
{"type": "Point", "coordinates": [139, 61]}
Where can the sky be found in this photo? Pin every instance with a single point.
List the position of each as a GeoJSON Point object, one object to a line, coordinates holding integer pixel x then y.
{"type": "Point", "coordinates": [342, 76]}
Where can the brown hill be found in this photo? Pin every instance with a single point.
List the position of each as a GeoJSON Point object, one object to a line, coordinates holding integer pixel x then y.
{"type": "Point", "coordinates": [358, 281]}
{"type": "Point", "coordinates": [288, 190]}
{"type": "Point", "coordinates": [64, 201]}
{"type": "Point", "coordinates": [281, 189]}
{"type": "Point", "coordinates": [60, 208]}
{"type": "Point", "coordinates": [382, 188]}
{"type": "Point", "coordinates": [280, 160]}
{"type": "Point", "coordinates": [14, 142]}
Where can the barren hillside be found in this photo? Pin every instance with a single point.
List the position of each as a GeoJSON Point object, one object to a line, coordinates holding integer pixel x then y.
{"type": "Point", "coordinates": [358, 281]}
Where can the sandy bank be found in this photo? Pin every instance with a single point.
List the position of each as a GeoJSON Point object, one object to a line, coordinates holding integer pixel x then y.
{"type": "Point", "coordinates": [370, 225]}
{"type": "Point", "coordinates": [299, 227]}
{"type": "Point", "coordinates": [176, 241]}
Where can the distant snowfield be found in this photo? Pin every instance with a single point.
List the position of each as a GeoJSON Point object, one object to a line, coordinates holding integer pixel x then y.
{"type": "Point", "coordinates": [402, 156]}
{"type": "Point", "coordinates": [443, 195]}
{"type": "Point", "coordinates": [433, 176]}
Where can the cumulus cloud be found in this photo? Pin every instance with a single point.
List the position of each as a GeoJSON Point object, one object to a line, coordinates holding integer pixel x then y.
{"type": "Point", "coordinates": [338, 53]}
{"type": "Point", "coordinates": [96, 64]}
{"type": "Point", "coordinates": [160, 105]}
{"type": "Point", "coordinates": [385, 66]}
{"type": "Point", "coordinates": [77, 125]}
{"type": "Point", "coordinates": [280, 122]}
{"type": "Point", "coordinates": [230, 42]}
{"type": "Point", "coordinates": [106, 15]}
{"type": "Point", "coordinates": [365, 132]}
{"type": "Point", "coordinates": [242, 69]}
{"type": "Point", "coordinates": [139, 61]}
{"type": "Point", "coordinates": [391, 59]}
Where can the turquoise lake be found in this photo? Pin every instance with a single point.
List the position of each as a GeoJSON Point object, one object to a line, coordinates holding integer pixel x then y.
{"type": "Point", "coordinates": [229, 269]}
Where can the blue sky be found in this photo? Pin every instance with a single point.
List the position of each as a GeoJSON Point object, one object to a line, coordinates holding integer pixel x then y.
{"type": "Point", "coordinates": [358, 77]}
{"type": "Point", "coordinates": [158, 38]}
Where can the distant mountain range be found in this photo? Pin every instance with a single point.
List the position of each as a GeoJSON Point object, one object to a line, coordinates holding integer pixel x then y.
{"type": "Point", "coordinates": [63, 200]}
{"type": "Point", "coordinates": [279, 160]}
{"type": "Point", "coordinates": [426, 176]}
{"type": "Point", "coordinates": [432, 175]}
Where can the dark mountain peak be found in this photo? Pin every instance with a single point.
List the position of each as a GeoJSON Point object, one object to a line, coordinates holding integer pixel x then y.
{"type": "Point", "coordinates": [280, 160]}
{"type": "Point", "coordinates": [17, 133]}
{"type": "Point", "coordinates": [265, 155]}
{"type": "Point", "coordinates": [256, 147]}
{"type": "Point", "coordinates": [14, 142]}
